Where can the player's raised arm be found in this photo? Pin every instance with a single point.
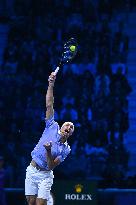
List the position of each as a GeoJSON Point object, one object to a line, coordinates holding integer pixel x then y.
{"type": "Point", "coordinates": [49, 96]}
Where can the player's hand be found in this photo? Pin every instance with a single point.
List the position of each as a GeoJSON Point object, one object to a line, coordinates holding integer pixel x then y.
{"type": "Point", "coordinates": [48, 146]}
{"type": "Point", "coordinates": [52, 79]}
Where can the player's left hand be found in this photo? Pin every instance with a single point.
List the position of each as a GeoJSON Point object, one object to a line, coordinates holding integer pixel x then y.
{"type": "Point", "coordinates": [48, 146]}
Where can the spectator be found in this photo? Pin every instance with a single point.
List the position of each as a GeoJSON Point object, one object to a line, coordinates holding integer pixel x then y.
{"type": "Point", "coordinates": [68, 113]}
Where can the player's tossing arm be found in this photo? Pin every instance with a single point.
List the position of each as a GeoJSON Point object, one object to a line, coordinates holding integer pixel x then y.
{"type": "Point", "coordinates": [52, 163]}
{"type": "Point", "coordinates": [49, 96]}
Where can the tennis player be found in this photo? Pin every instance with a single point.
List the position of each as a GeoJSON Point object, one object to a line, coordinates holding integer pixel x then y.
{"type": "Point", "coordinates": [50, 151]}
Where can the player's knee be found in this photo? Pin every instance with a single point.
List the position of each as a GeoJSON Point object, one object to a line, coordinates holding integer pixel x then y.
{"type": "Point", "coordinates": [31, 200]}
{"type": "Point", "coordinates": [42, 201]}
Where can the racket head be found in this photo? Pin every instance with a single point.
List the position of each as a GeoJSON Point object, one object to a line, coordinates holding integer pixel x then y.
{"type": "Point", "coordinates": [68, 54]}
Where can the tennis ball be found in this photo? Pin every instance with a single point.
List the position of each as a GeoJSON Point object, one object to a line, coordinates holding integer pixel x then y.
{"type": "Point", "coordinates": [72, 48]}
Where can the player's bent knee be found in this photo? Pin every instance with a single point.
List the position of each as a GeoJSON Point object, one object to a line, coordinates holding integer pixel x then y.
{"type": "Point", "coordinates": [31, 200]}
{"type": "Point", "coordinates": [41, 201]}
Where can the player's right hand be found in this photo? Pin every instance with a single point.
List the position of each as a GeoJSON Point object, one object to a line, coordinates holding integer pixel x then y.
{"type": "Point", "coordinates": [52, 78]}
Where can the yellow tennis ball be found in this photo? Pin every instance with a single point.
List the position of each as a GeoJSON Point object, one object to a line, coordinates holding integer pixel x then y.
{"type": "Point", "coordinates": [72, 48]}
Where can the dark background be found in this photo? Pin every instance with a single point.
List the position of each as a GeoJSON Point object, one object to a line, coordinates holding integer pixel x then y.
{"type": "Point", "coordinates": [93, 91]}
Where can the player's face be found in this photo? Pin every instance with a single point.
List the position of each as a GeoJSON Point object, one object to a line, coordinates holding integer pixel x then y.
{"type": "Point", "coordinates": [67, 130]}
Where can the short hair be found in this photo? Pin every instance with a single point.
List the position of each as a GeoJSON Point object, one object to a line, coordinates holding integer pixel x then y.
{"type": "Point", "coordinates": [69, 123]}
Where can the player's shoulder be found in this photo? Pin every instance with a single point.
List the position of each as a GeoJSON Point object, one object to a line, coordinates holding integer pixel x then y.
{"type": "Point", "coordinates": [50, 122]}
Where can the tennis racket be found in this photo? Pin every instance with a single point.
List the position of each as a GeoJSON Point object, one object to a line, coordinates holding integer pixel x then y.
{"type": "Point", "coordinates": [69, 52]}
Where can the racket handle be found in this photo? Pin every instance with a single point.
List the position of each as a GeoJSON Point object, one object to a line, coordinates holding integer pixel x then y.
{"type": "Point", "coordinates": [56, 70]}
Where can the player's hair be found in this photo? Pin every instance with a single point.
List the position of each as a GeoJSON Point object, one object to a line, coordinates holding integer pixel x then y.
{"type": "Point", "coordinates": [69, 123]}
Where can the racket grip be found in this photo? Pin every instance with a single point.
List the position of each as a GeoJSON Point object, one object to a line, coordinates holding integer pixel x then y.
{"type": "Point", "coordinates": [56, 70]}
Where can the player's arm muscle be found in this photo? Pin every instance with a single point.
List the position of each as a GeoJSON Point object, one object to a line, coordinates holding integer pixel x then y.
{"type": "Point", "coordinates": [50, 97]}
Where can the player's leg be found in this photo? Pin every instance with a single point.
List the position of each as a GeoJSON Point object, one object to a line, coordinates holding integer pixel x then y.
{"type": "Point", "coordinates": [44, 188]}
{"type": "Point", "coordinates": [31, 187]}
{"type": "Point", "coordinates": [31, 200]}
{"type": "Point", "coordinates": [41, 201]}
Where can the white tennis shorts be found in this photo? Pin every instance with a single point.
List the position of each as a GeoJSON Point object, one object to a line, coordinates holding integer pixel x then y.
{"type": "Point", "coordinates": [38, 182]}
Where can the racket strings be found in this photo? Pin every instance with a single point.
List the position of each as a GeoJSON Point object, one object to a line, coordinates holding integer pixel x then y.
{"type": "Point", "coordinates": [68, 55]}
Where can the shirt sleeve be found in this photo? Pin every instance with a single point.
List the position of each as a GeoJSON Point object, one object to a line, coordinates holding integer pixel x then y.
{"type": "Point", "coordinates": [64, 154]}
{"type": "Point", "coordinates": [49, 121]}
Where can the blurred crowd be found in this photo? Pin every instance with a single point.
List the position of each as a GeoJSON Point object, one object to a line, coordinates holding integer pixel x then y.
{"type": "Point", "coordinates": [92, 91]}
